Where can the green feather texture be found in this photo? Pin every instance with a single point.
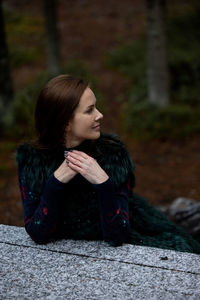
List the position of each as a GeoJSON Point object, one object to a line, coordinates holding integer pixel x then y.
{"type": "Point", "coordinates": [36, 165]}
{"type": "Point", "coordinates": [109, 151]}
{"type": "Point", "coordinates": [115, 159]}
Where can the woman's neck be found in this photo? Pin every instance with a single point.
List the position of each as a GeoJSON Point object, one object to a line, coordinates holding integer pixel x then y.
{"type": "Point", "coordinates": [73, 143]}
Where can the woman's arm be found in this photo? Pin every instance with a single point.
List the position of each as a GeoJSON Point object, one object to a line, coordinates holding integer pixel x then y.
{"type": "Point", "coordinates": [114, 211]}
{"type": "Point", "coordinates": [113, 203]}
{"type": "Point", "coordinates": [41, 211]}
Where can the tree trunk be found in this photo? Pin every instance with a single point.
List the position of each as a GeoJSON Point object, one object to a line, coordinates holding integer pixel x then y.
{"type": "Point", "coordinates": [157, 69]}
{"type": "Point", "coordinates": [53, 46]}
{"type": "Point", "coordinates": [6, 85]}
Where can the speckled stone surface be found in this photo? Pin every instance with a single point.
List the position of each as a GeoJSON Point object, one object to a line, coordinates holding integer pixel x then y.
{"type": "Point", "coordinates": [93, 270]}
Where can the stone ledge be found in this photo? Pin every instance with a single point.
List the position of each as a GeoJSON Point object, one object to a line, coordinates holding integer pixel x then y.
{"type": "Point", "coordinates": [71, 269]}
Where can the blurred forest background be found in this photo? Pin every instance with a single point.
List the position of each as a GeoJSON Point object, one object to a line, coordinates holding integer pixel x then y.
{"type": "Point", "coordinates": [142, 59]}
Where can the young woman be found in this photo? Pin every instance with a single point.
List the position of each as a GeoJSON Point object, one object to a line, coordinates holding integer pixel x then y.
{"type": "Point", "coordinates": [77, 183]}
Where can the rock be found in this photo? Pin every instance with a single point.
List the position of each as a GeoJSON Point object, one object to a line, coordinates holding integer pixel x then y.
{"type": "Point", "coordinates": [69, 269]}
{"type": "Point", "coordinates": [185, 212]}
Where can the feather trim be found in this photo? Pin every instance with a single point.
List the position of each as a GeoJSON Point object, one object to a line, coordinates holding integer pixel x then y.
{"type": "Point", "coordinates": [109, 151]}
{"type": "Point", "coordinates": [115, 159]}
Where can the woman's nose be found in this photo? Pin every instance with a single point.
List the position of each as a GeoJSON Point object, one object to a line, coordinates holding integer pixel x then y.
{"type": "Point", "coordinates": [99, 115]}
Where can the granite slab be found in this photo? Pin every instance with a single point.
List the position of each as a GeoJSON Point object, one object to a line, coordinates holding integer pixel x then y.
{"type": "Point", "coordinates": [70, 269]}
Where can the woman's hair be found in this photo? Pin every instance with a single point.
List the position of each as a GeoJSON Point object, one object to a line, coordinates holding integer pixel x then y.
{"type": "Point", "coordinates": [55, 107]}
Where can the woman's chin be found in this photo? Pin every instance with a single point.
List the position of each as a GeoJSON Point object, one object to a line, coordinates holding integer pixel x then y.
{"type": "Point", "coordinates": [95, 135]}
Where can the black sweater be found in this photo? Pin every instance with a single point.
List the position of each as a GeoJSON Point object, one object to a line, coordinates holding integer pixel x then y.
{"type": "Point", "coordinates": [77, 209]}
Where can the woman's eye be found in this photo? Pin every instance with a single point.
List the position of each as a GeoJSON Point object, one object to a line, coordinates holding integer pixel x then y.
{"type": "Point", "coordinates": [90, 110]}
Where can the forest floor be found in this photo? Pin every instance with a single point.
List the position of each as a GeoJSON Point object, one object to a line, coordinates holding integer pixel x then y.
{"type": "Point", "coordinates": [165, 169]}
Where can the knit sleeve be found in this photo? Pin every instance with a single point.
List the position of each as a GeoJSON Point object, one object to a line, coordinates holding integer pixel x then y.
{"type": "Point", "coordinates": [41, 211]}
{"type": "Point", "coordinates": [114, 211]}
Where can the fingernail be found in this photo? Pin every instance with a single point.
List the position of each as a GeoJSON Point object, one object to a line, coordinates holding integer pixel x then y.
{"type": "Point", "coordinates": [66, 153]}
{"type": "Point", "coordinates": [67, 162]}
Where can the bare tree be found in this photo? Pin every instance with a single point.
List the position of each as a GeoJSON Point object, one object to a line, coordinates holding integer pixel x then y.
{"type": "Point", "coordinates": [6, 85]}
{"type": "Point", "coordinates": [157, 70]}
{"type": "Point", "coordinates": [53, 45]}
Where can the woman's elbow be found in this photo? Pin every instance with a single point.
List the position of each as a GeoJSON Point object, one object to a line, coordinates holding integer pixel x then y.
{"type": "Point", "coordinates": [118, 238]}
{"type": "Point", "coordinates": [37, 237]}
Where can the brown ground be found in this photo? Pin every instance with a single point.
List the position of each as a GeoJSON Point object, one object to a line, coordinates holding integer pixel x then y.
{"type": "Point", "coordinates": [164, 169]}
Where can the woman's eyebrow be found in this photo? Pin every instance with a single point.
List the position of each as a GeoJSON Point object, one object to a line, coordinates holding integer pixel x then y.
{"type": "Point", "coordinates": [91, 105]}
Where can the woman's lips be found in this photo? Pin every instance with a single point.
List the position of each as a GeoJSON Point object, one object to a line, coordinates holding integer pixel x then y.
{"type": "Point", "coordinates": [96, 127]}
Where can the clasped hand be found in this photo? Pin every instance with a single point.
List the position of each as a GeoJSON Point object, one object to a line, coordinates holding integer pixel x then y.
{"type": "Point", "coordinates": [87, 166]}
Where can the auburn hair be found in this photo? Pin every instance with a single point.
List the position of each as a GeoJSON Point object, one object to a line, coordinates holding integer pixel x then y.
{"type": "Point", "coordinates": [55, 107]}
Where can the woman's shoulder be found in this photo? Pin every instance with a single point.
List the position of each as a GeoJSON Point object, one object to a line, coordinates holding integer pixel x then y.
{"type": "Point", "coordinates": [35, 165]}
{"type": "Point", "coordinates": [28, 154]}
{"type": "Point", "coordinates": [110, 145]}
{"type": "Point", "coordinates": [110, 141]}
{"type": "Point", "coordinates": [114, 157]}
{"type": "Point", "coordinates": [24, 149]}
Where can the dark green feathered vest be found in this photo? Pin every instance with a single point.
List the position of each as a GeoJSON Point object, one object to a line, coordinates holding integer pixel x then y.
{"type": "Point", "coordinates": [149, 227]}
{"type": "Point", "coordinates": [109, 151]}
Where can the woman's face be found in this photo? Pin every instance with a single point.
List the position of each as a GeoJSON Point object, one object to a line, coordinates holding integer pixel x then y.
{"type": "Point", "coordinates": [86, 121]}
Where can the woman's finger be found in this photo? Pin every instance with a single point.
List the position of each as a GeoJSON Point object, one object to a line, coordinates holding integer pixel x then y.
{"type": "Point", "coordinates": [76, 157]}
{"type": "Point", "coordinates": [81, 158]}
{"type": "Point", "coordinates": [80, 153]}
{"type": "Point", "coordinates": [74, 167]}
{"type": "Point", "coordinates": [75, 161]}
